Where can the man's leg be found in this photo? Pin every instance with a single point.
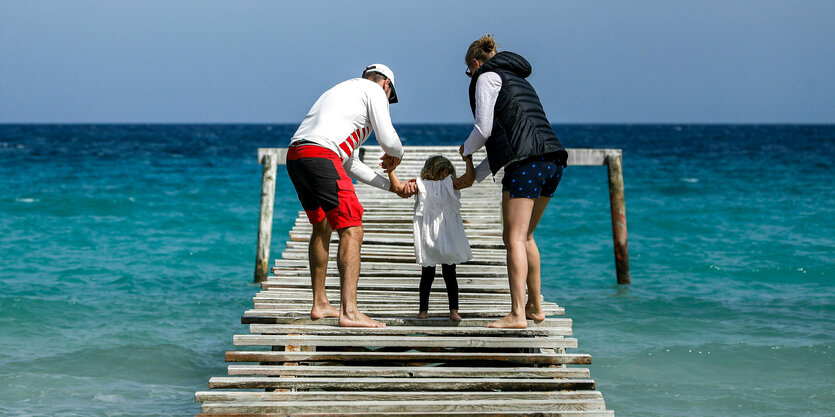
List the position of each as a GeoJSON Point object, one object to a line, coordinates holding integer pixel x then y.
{"type": "Point", "coordinates": [318, 257]}
{"type": "Point", "coordinates": [348, 261]}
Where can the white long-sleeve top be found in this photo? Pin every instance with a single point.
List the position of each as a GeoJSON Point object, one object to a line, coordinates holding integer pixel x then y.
{"type": "Point", "coordinates": [487, 88]}
{"type": "Point", "coordinates": [343, 118]}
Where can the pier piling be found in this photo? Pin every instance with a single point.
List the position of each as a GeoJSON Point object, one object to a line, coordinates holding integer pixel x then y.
{"type": "Point", "coordinates": [617, 202]}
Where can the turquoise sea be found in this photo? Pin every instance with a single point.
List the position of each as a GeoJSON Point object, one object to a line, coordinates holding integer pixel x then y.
{"type": "Point", "coordinates": [127, 254]}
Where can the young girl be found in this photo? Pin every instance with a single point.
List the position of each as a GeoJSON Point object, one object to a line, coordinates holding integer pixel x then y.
{"type": "Point", "coordinates": [438, 228]}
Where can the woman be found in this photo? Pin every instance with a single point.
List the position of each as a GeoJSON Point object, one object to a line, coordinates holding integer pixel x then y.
{"type": "Point", "coordinates": [510, 122]}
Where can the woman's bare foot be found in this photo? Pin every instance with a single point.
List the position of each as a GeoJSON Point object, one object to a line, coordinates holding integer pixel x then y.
{"type": "Point", "coordinates": [535, 316]}
{"type": "Point", "coordinates": [453, 315]}
{"type": "Point", "coordinates": [320, 312]}
{"type": "Point", "coordinates": [358, 320]}
{"type": "Point", "coordinates": [534, 312]}
{"type": "Point", "coordinates": [510, 321]}
{"type": "Point", "coordinates": [423, 314]}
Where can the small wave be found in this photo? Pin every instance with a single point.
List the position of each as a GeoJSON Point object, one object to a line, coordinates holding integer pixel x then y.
{"type": "Point", "coordinates": [26, 200]}
{"type": "Point", "coordinates": [108, 398]}
{"type": "Point", "coordinates": [690, 180]}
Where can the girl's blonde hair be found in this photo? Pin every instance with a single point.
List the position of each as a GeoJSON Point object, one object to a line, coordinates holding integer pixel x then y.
{"type": "Point", "coordinates": [482, 49]}
{"type": "Point", "coordinates": [434, 168]}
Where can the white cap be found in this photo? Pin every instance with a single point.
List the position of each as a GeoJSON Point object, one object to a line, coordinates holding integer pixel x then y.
{"type": "Point", "coordinates": [386, 72]}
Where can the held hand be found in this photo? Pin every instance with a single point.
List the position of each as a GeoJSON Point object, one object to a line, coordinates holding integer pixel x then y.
{"type": "Point", "coordinates": [464, 157]}
{"type": "Point", "coordinates": [389, 162]}
{"type": "Point", "coordinates": [409, 189]}
{"type": "Point", "coordinates": [386, 162]}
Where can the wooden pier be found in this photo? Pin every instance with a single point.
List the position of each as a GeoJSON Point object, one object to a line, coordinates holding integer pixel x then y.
{"type": "Point", "coordinates": [292, 365]}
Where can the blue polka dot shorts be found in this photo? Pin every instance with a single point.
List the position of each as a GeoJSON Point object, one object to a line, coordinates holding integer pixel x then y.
{"type": "Point", "coordinates": [533, 177]}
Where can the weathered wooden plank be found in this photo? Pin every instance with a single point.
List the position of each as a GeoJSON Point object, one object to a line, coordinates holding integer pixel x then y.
{"type": "Point", "coordinates": [410, 407]}
{"type": "Point", "coordinates": [437, 309]}
{"type": "Point", "coordinates": [301, 292]}
{"type": "Point", "coordinates": [281, 317]}
{"type": "Point", "coordinates": [411, 273]}
{"type": "Point", "coordinates": [413, 384]}
{"type": "Point", "coordinates": [495, 396]}
{"type": "Point", "coordinates": [537, 358]}
{"type": "Point", "coordinates": [384, 286]}
{"type": "Point", "coordinates": [407, 371]}
{"type": "Point", "coordinates": [405, 341]}
{"type": "Point", "coordinates": [424, 414]}
{"type": "Point", "coordinates": [406, 330]}
{"type": "Point", "coordinates": [398, 304]}
{"type": "Point", "coordinates": [386, 266]}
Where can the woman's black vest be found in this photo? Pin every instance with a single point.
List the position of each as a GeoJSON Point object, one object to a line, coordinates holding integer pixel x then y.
{"type": "Point", "coordinates": [520, 128]}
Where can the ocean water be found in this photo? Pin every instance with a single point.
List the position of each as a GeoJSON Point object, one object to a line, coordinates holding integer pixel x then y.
{"type": "Point", "coordinates": [127, 254]}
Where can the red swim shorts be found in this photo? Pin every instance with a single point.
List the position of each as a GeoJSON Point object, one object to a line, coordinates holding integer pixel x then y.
{"type": "Point", "coordinates": [324, 189]}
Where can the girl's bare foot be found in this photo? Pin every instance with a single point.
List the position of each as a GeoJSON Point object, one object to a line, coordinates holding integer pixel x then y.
{"type": "Point", "coordinates": [422, 314]}
{"type": "Point", "coordinates": [358, 320]}
{"type": "Point", "coordinates": [453, 315]}
{"type": "Point", "coordinates": [320, 312]}
{"type": "Point", "coordinates": [510, 321]}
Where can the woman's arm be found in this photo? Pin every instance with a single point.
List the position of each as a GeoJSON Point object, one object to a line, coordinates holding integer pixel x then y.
{"type": "Point", "coordinates": [486, 93]}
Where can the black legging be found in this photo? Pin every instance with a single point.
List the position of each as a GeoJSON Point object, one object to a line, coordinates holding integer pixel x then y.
{"type": "Point", "coordinates": [427, 276]}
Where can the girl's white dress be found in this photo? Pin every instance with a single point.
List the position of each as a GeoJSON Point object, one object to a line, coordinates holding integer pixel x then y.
{"type": "Point", "coordinates": [438, 227]}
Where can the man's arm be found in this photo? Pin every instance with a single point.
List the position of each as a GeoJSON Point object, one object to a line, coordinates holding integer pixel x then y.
{"type": "Point", "coordinates": [380, 118]}
{"type": "Point", "coordinates": [362, 173]}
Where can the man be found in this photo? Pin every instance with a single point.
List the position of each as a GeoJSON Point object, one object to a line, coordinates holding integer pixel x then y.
{"type": "Point", "coordinates": [322, 159]}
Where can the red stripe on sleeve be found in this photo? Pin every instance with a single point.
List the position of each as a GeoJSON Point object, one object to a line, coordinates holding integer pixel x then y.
{"type": "Point", "coordinates": [346, 148]}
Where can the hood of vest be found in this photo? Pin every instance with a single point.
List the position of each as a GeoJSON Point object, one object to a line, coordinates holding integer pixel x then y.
{"type": "Point", "coordinates": [507, 61]}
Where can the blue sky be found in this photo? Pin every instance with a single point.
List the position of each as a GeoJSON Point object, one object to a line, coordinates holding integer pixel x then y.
{"type": "Point", "coordinates": [267, 61]}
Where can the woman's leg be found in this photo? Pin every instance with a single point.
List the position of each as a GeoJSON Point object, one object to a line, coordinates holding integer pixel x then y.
{"type": "Point", "coordinates": [533, 308]}
{"type": "Point", "coordinates": [427, 276]}
{"type": "Point", "coordinates": [451, 290]}
{"type": "Point", "coordinates": [516, 214]}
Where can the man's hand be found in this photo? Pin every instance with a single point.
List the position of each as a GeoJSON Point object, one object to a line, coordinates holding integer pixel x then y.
{"type": "Point", "coordinates": [461, 151]}
{"type": "Point", "coordinates": [389, 162]}
{"type": "Point", "coordinates": [409, 189]}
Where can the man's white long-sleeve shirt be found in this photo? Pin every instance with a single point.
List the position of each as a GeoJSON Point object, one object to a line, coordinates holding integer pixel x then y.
{"type": "Point", "coordinates": [487, 88]}
{"type": "Point", "coordinates": [343, 118]}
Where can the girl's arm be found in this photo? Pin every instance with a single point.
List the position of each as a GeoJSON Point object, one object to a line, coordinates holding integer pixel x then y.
{"type": "Point", "coordinates": [396, 185]}
{"type": "Point", "coordinates": [468, 178]}
{"type": "Point", "coordinates": [402, 189]}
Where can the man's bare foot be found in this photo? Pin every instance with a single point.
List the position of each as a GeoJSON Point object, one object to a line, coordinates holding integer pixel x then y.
{"type": "Point", "coordinates": [453, 315]}
{"type": "Point", "coordinates": [423, 314]}
{"type": "Point", "coordinates": [320, 312]}
{"type": "Point", "coordinates": [358, 320]}
{"type": "Point", "coordinates": [510, 322]}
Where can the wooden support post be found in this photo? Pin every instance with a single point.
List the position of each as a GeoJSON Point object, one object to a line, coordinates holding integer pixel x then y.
{"type": "Point", "coordinates": [615, 163]}
{"type": "Point", "coordinates": [265, 224]}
